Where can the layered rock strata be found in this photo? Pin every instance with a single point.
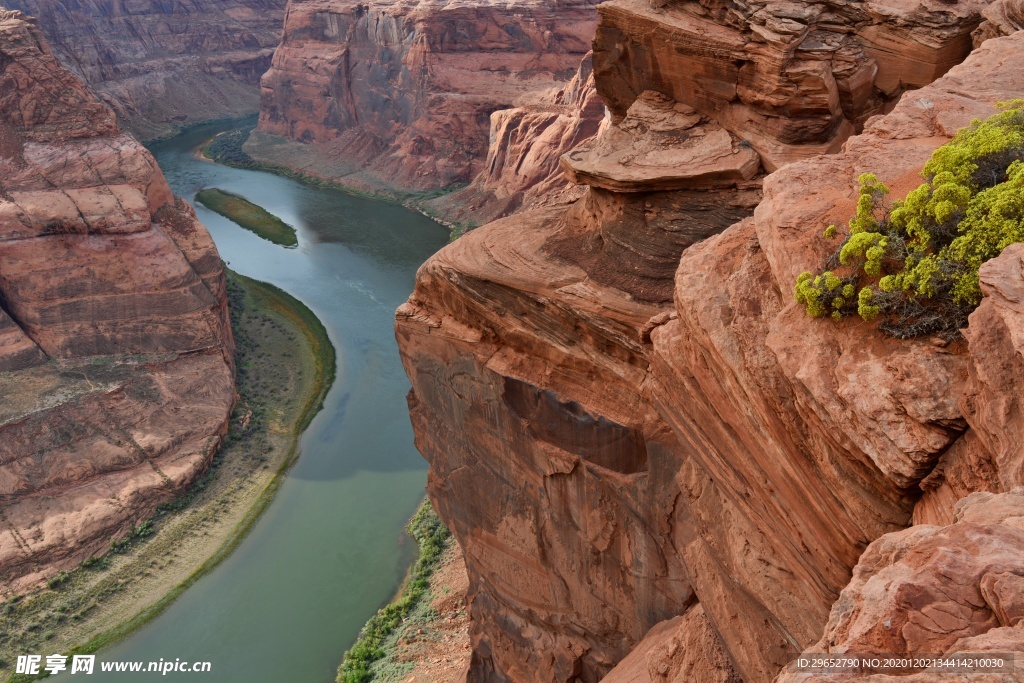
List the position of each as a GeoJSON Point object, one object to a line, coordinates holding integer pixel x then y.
{"type": "Point", "coordinates": [612, 456]}
{"type": "Point", "coordinates": [522, 169]}
{"type": "Point", "coordinates": [165, 65]}
{"type": "Point", "coordinates": [399, 93]}
{"type": "Point", "coordinates": [794, 79]}
{"type": "Point", "coordinates": [902, 599]}
{"type": "Point", "coordinates": [108, 276]}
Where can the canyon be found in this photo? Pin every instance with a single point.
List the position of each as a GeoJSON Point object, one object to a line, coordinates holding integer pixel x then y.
{"type": "Point", "coordinates": [163, 66]}
{"type": "Point", "coordinates": [396, 96]}
{"type": "Point", "coordinates": [658, 467]}
{"type": "Point", "coordinates": [116, 354]}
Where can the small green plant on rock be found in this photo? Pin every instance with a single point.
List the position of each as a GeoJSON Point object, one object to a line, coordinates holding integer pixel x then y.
{"type": "Point", "coordinates": [914, 264]}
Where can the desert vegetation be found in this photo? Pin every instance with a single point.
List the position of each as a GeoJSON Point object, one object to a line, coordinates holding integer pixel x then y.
{"type": "Point", "coordinates": [913, 263]}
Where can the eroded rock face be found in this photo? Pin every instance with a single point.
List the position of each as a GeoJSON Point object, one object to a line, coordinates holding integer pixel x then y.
{"type": "Point", "coordinates": [165, 65]}
{"type": "Point", "coordinates": [592, 438]}
{"type": "Point", "coordinates": [685, 649]}
{"type": "Point", "coordinates": [932, 590]}
{"type": "Point", "coordinates": [399, 93]}
{"type": "Point", "coordinates": [522, 169]}
{"type": "Point", "coordinates": [794, 79]}
{"type": "Point", "coordinates": [1002, 18]}
{"type": "Point", "coordinates": [98, 261]}
{"type": "Point", "coordinates": [661, 145]}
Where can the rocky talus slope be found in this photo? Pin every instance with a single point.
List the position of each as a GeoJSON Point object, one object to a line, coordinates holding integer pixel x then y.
{"type": "Point", "coordinates": [398, 93]}
{"type": "Point", "coordinates": [116, 356]}
{"type": "Point", "coordinates": [659, 468]}
{"type": "Point", "coordinates": [164, 65]}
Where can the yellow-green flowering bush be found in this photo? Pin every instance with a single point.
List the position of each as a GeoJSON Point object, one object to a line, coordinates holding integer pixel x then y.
{"type": "Point", "coordinates": [914, 264]}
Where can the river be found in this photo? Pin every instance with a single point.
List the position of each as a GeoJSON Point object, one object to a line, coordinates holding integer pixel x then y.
{"type": "Point", "coordinates": [330, 549]}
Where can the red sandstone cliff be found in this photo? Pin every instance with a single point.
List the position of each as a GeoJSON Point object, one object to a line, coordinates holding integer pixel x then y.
{"type": "Point", "coordinates": [164, 65]}
{"type": "Point", "coordinates": [522, 169]}
{"type": "Point", "coordinates": [110, 278]}
{"type": "Point", "coordinates": [633, 429]}
{"type": "Point", "coordinates": [399, 93]}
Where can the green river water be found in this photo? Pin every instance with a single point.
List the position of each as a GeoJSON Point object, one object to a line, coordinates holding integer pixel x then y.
{"type": "Point", "coordinates": [331, 548]}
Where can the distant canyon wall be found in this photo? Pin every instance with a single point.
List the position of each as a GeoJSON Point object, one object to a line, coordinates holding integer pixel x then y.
{"type": "Point", "coordinates": [165, 65]}
{"type": "Point", "coordinates": [632, 428]}
{"type": "Point", "coordinates": [116, 353]}
{"type": "Point", "coordinates": [398, 94]}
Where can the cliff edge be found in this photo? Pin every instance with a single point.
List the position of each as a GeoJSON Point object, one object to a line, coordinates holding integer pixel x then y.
{"type": "Point", "coordinates": [634, 430]}
{"type": "Point", "coordinates": [116, 355]}
{"type": "Point", "coordinates": [397, 95]}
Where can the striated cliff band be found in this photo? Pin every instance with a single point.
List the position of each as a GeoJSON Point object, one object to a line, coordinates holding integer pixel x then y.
{"type": "Point", "coordinates": [397, 95]}
{"type": "Point", "coordinates": [116, 366]}
{"type": "Point", "coordinates": [164, 65]}
{"type": "Point", "coordinates": [658, 466]}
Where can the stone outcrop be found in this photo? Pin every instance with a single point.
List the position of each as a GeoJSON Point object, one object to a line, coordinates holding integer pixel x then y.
{"type": "Point", "coordinates": [1002, 18]}
{"type": "Point", "coordinates": [627, 416]}
{"type": "Point", "coordinates": [661, 145]}
{"type": "Point", "coordinates": [685, 649]}
{"type": "Point", "coordinates": [107, 275]}
{"type": "Point", "coordinates": [398, 93]}
{"type": "Point", "coordinates": [165, 65]}
{"type": "Point", "coordinates": [793, 79]}
{"type": "Point", "coordinates": [522, 169]}
{"type": "Point", "coordinates": [928, 590]}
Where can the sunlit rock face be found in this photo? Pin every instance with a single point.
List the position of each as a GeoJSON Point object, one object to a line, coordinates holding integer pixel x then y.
{"type": "Point", "coordinates": [633, 430]}
{"type": "Point", "coordinates": [108, 276]}
{"type": "Point", "coordinates": [164, 65]}
{"type": "Point", "coordinates": [399, 93]}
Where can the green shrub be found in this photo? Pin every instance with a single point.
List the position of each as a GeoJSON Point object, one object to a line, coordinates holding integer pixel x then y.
{"type": "Point", "coordinates": [915, 263]}
{"type": "Point", "coordinates": [432, 536]}
{"type": "Point", "coordinates": [57, 580]}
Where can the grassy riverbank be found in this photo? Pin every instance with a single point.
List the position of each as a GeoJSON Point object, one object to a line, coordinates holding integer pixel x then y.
{"type": "Point", "coordinates": [248, 215]}
{"type": "Point", "coordinates": [370, 658]}
{"type": "Point", "coordinates": [286, 365]}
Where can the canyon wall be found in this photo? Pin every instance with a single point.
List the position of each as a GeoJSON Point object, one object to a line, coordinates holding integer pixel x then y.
{"type": "Point", "coordinates": [164, 65]}
{"type": "Point", "coordinates": [397, 94]}
{"type": "Point", "coordinates": [633, 430]}
{"type": "Point", "coordinates": [521, 170]}
{"type": "Point", "coordinates": [116, 355]}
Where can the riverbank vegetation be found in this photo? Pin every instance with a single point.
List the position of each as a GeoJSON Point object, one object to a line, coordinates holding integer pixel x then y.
{"type": "Point", "coordinates": [228, 148]}
{"type": "Point", "coordinates": [914, 263]}
{"type": "Point", "coordinates": [286, 365]}
{"type": "Point", "coordinates": [432, 537]}
{"type": "Point", "coordinates": [248, 215]}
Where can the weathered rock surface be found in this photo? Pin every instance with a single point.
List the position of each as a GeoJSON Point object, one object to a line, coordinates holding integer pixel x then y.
{"type": "Point", "coordinates": [98, 260]}
{"type": "Point", "coordinates": [607, 453]}
{"type": "Point", "coordinates": [399, 93]}
{"type": "Point", "coordinates": [685, 649]}
{"type": "Point", "coordinates": [932, 590]}
{"type": "Point", "coordinates": [794, 79]}
{"type": "Point", "coordinates": [526, 142]}
{"type": "Point", "coordinates": [661, 145]}
{"type": "Point", "coordinates": [1002, 18]}
{"type": "Point", "coordinates": [165, 65]}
